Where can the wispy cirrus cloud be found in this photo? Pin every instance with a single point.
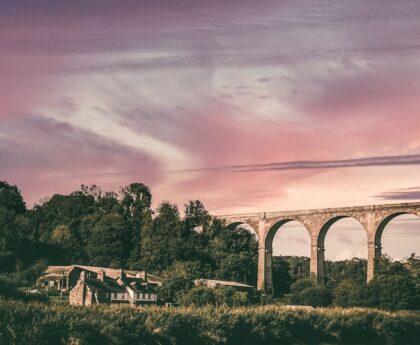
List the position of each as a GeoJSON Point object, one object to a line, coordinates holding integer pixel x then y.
{"type": "Point", "coordinates": [318, 164]}
{"type": "Point", "coordinates": [412, 193]}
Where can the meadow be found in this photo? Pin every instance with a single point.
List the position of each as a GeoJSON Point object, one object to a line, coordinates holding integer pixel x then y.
{"type": "Point", "coordinates": [43, 323]}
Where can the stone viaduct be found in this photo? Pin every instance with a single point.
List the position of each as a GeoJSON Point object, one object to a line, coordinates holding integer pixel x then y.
{"type": "Point", "coordinates": [373, 218]}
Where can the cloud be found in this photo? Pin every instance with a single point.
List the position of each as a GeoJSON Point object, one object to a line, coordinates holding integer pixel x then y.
{"type": "Point", "coordinates": [330, 164]}
{"type": "Point", "coordinates": [44, 156]}
{"type": "Point", "coordinates": [412, 193]}
{"type": "Point", "coordinates": [344, 239]}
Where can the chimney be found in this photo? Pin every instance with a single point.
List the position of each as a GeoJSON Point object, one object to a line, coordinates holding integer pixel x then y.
{"type": "Point", "coordinates": [121, 274]}
{"type": "Point", "coordinates": [101, 275]}
{"type": "Point", "coordinates": [83, 276]}
{"type": "Point", "coordinates": [142, 275]}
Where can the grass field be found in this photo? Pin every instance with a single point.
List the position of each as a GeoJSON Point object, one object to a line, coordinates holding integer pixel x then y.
{"type": "Point", "coordinates": [39, 323]}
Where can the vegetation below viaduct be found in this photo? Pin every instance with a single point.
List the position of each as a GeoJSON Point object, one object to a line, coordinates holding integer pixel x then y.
{"type": "Point", "coordinates": [38, 323]}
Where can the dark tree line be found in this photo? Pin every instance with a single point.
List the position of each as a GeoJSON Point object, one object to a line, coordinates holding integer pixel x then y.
{"type": "Point", "coordinates": [95, 227]}
{"type": "Point", "coordinates": [396, 285]}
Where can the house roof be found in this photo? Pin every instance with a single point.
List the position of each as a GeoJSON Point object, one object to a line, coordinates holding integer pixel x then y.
{"type": "Point", "coordinates": [109, 272]}
{"type": "Point", "coordinates": [108, 285]}
{"type": "Point", "coordinates": [215, 282]}
{"type": "Point", "coordinates": [51, 276]}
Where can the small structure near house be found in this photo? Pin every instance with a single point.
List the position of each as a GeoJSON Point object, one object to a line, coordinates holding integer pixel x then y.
{"type": "Point", "coordinates": [214, 283]}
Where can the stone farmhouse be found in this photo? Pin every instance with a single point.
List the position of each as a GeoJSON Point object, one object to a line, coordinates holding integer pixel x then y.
{"type": "Point", "coordinates": [90, 285]}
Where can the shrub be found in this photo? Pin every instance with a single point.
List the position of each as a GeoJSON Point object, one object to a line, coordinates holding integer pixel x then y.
{"type": "Point", "coordinates": [36, 323]}
{"type": "Point", "coordinates": [39, 323]}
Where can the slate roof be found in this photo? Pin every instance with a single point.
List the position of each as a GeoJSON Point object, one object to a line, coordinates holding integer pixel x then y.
{"type": "Point", "coordinates": [209, 282]}
{"type": "Point", "coordinates": [109, 272]}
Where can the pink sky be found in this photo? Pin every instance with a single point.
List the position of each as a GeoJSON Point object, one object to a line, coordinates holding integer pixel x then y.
{"type": "Point", "coordinates": [163, 92]}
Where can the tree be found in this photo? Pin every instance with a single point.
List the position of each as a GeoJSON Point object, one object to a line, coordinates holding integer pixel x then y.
{"type": "Point", "coordinates": [135, 202]}
{"type": "Point", "coordinates": [281, 277]}
{"type": "Point", "coordinates": [159, 242]}
{"type": "Point", "coordinates": [11, 198]}
{"type": "Point", "coordinates": [61, 235]}
{"type": "Point", "coordinates": [349, 293]}
{"type": "Point", "coordinates": [198, 296]}
{"type": "Point", "coordinates": [106, 241]}
{"type": "Point", "coordinates": [196, 216]}
{"type": "Point", "coordinates": [307, 292]}
{"type": "Point", "coordinates": [235, 254]}
{"type": "Point", "coordinates": [393, 287]}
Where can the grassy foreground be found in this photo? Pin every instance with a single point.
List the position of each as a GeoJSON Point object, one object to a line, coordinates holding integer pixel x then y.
{"type": "Point", "coordinates": [37, 323]}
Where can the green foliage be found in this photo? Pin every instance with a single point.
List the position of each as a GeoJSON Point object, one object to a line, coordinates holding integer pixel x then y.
{"type": "Point", "coordinates": [106, 245]}
{"type": "Point", "coordinates": [177, 280]}
{"type": "Point", "coordinates": [394, 286]}
{"type": "Point", "coordinates": [198, 296]}
{"type": "Point", "coordinates": [349, 293]}
{"type": "Point", "coordinates": [36, 323]}
{"type": "Point", "coordinates": [11, 198]}
{"type": "Point", "coordinates": [281, 276]}
{"type": "Point", "coordinates": [307, 292]}
{"type": "Point", "coordinates": [222, 296]}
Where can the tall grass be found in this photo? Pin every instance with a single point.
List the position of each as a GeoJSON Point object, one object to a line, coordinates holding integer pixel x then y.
{"type": "Point", "coordinates": [37, 323]}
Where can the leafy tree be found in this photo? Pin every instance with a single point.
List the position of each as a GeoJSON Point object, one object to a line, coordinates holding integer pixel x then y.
{"type": "Point", "coordinates": [281, 277]}
{"type": "Point", "coordinates": [349, 293]}
{"type": "Point", "coordinates": [61, 235]}
{"type": "Point", "coordinates": [198, 296]}
{"type": "Point", "coordinates": [306, 292]}
{"type": "Point", "coordinates": [106, 241]}
{"type": "Point", "coordinates": [11, 198]}
{"type": "Point", "coordinates": [10, 238]}
{"type": "Point", "coordinates": [229, 296]}
{"type": "Point", "coordinates": [158, 244]}
{"type": "Point", "coordinates": [196, 217]}
{"type": "Point", "coordinates": [135, 201]}
{"type": "Point", "coordinates": [235, 254]}
{"type": "Point", "coordinates": [393, 287]}
{"type": "Point", "coordinates": [178, 279]}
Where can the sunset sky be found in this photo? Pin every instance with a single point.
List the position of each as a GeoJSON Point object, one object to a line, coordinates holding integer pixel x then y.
{"type": "Point", "coordinates": [246, 105]}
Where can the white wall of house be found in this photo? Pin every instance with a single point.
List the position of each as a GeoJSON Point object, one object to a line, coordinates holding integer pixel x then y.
{"type": "Point", "coordinates": [118, 296]}
{"type": "Point", "coordinates": [146, 296]}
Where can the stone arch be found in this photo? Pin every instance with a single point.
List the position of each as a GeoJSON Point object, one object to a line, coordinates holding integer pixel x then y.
{"type": "Point", "coordinates": [276, 226]}
{"type": "Point", "coordinates": [268, 245]}
{"type": "Point", "coordinates": [377, 239]}
{"type": "Point", "coordinates": [244, 225]}
{"type": "Point", "coordinates": [320, 241]}
{"type": "Point", "coordinates": [330, 222]}
{"type": "Point", "coordinates": [385, 221]}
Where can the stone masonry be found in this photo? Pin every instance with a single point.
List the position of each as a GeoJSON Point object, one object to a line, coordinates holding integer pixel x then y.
{"type": "Point", "coordinates": [373, 218]}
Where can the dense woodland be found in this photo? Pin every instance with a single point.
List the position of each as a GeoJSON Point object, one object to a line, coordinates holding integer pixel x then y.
{"type": "Point", "coordinates": [95, 227]}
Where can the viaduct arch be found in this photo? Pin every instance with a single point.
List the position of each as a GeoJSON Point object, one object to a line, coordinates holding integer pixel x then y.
{"type": "Point", "coordinates": [317, 222]}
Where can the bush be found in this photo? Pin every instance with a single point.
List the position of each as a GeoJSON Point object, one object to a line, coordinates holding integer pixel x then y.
{"type": "Point", "coordinates": [349, 293]}
{"type": "Point", "coordinates": [306, 292]}
{"type": "Point", "coordinates": [393, 292]}
{"type": "Point", "coordinates": [37, 323]}
{"type": "Point", "coordinates": [198, 296]}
